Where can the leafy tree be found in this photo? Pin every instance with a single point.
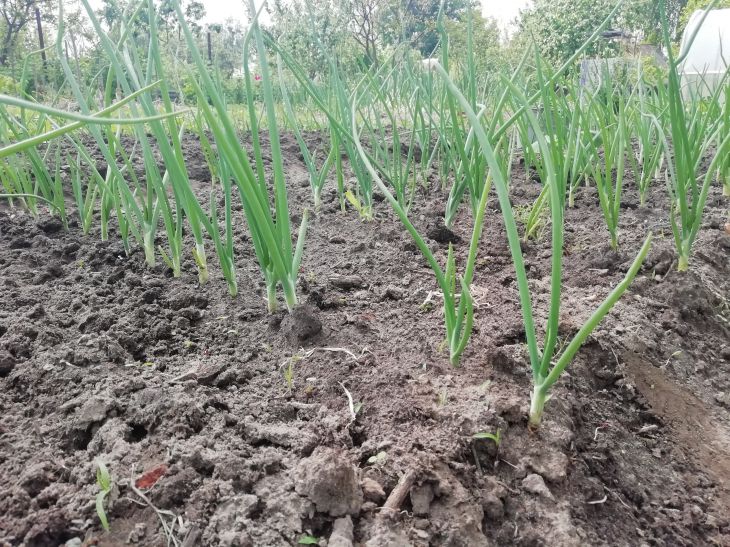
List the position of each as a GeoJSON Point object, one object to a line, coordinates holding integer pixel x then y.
{"type": "Point", "coordinates": [559, 27]}
{"type": "Point", "coordinates": [486, 42]}
{"type": "Point", "coordinates": [227, 45]}
{"type": "Point", "coordinates": [168, 23]}
{"type": "Point", "coordinates": [364, 19]}
{"type": "Point", "coordinates": [110, 12]}
{"type": "Point", "coordinates": [300, 25]}
{"type": "Point", "coordinates": [375, 24]}
{"type": "Point", "coordinates": [15, 15]}
{"type": "Point", "coordinates": [421, 17]}
{"type": "Point", "coordinates": [694, 5]}
{"type": "Point", "coordinates": [649, 14]}
{"type": "Point", "coordinates": [195, 12]}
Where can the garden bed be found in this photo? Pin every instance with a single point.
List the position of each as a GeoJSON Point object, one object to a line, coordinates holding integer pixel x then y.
{"type": "Point", "coordinates": [245, 416]}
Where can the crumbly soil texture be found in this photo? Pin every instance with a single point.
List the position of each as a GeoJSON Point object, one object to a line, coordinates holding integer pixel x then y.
{"type": "Point", "coordinates": [343, 423]}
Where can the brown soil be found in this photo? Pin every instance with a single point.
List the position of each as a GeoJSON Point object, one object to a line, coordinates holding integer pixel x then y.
{"type": "Point", "coordinates": [104, 359]}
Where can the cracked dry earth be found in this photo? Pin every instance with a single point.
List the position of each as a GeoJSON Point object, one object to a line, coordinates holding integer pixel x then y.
{"type": "Point", "coordinates": [223, 425]}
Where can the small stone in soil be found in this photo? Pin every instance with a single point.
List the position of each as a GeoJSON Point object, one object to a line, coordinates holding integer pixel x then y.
{"type": "Point", "coordinates": [347, 282]}
{"type": "Point", "coordinates": [342, 533]}
{"type": "Point", "coordinates": [421, 498]}
{"type": "Point", "coordinates": [535, 484]}
{"type": "Point", "coordinates": [7, 363]}
{"type": "Point", "coordinates": [372, 490]}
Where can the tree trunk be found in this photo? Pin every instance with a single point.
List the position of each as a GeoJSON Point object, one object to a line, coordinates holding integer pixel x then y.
{"type": "Point", "coordinates": [76, 58]}
{"type": "Point", "coordinates": [5, 48]}
{"type": "Point", "coordinates": [41, 42]}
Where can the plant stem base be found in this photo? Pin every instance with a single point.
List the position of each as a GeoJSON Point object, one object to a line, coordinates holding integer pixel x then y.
{"type": "Point", "coordinates": [537, 404]}
{"type": "Point", "coordinates": [683, 265]}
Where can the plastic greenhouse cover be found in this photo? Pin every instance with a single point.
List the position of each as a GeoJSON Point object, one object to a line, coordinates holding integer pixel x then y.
{"type": "Point", "coordinates": [709, 54]}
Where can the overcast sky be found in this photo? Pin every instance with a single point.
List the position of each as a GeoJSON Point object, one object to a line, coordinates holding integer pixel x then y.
{"type": "Point", "coordinates": [504, 11]}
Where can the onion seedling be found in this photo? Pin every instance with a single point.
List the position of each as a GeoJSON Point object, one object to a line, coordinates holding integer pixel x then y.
{"type": "Point", "coordinates": [723, 170]}
{"type": "Point", "coordinates": [337, 107]}
{"type": "Point", "coordinates": [562, 118]}
{"type": "Point", "coordinates": [92, 121]}
{"type": "Point", "coordinates": [104, 481]}
{"type": "Point", "coordinates": [34, 173]}
{"type": "Point", "coordinates": [385, 139]}
{"type": "Point", "coordinates": [85, 200]}
{"type": "Point", "coordinates": [130, 74]}
{"type": "Point", "coordinates": [471, 171]}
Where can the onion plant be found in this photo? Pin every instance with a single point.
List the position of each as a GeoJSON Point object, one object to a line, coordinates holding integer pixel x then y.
{"type": "Point", "coordinates": [131, 74]}
{"type": "Point", "coordinates": [472, 175]}
{"type": "Point", "coordinates": [647, 159]}
{"type": "Point", "coordinates": [338, 109]}
{"type": "Point", "coordinates": [563, 117]}
{"type": "Point", "coordinates": [26, 143]}
{"type": "Point", "coordinates": [458, 302]}
{"type": "Point", "coordinates": [317, 175]}
{"type": "Point", "coordinates": [688, 138]}
{"type": "Point", "coordinates": [223, 243]}
{"type": "Point", "coordinates": [220, 175]}
{"type": "Point", "coordinates": [469, 167]}
{"type": "Point", "coordinates": [458, 151]}
{"type": "Point", "coordinates": [387, 140]}
{"type": "Point", "coordinates": [87, 194]}
{"type": "Point", "coordinates": [270, 231]}
{"type": "Point", "coordinates": [610, 124]}
{"type": "Point", "coordinates": [723, 170]}
{"type": "Point", "coordinates": [36, 172]}
{"type": "Point", "coordinates": [547, 363]}
{"type": "Point", "coordinates": [421, 114]}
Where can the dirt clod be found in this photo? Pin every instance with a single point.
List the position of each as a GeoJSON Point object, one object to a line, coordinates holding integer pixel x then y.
{"type": "Point", "coordinates": [330, 481]}
{"type": "Point", "coordinates": [301, 325]}
{"type": "Point", "coordinates": [347, 282]}
{"type": "Point", "coordinates": [552, 465]}
{"type": "Point", "coordinates": [7, 363]}
{"type": "Point", "coordinates": [443, 235]}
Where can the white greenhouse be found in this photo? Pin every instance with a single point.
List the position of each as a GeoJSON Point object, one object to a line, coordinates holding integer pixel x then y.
{"type": "Point", "coordinates": [708, 56]}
